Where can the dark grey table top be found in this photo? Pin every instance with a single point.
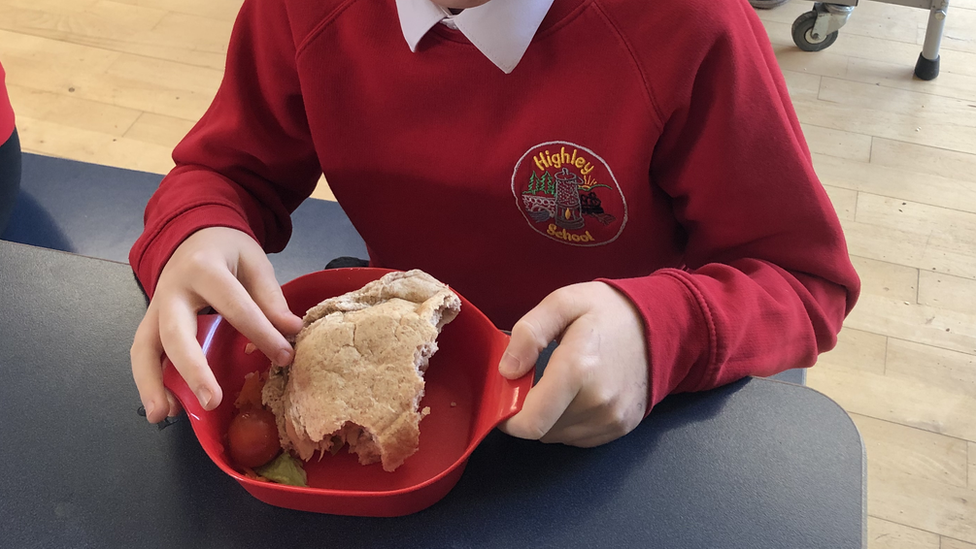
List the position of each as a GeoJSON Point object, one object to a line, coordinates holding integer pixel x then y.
{"type": "Point", "coordinates": [97, 211]}
{"type": "Point", "coordinates": [757, 464]}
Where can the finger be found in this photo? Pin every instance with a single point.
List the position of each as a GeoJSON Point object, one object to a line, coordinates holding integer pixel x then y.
{"type": "Point", "coordinates": [574, 424]}
{"type": "Point", "coordinates": [258, 278]}
{"type": "Point", "coordinates": [229, 297]}
{"type": "Point", "coordinates": [533, 332]}
{"type": "Point", "coordinates": [177, 333]}
{"type": "Point", "coordinates": [582, 438]}
{"type": "Point", "coordinates": [547, 401]}
{"type": "Point", "coordinates": [174, 405]}
{"type": "Point", "coordinates": [145, 356]}
{"type": "Point", "coordinates": [581, 425]}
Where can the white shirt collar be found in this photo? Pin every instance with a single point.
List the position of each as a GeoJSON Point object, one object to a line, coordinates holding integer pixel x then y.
{"type": "Point", "coordinates": [500, 29]}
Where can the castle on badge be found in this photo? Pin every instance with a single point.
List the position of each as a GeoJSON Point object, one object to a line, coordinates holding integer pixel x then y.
{"type": "Point", "coordinates": [561, 199]}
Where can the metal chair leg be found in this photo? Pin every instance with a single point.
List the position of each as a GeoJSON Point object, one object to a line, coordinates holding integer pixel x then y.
{"type": "Point", "coordinates": [927, 66]}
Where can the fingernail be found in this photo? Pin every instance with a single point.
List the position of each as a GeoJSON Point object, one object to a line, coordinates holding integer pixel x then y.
{"type": "Point", "coordinates": [204, 395]}
{"type": "Point", "coordinates": [149, 406]}
{"type": "Point", "coordinates": [284, 357]}
{"type": "Point", "coordinates": [509, 365]}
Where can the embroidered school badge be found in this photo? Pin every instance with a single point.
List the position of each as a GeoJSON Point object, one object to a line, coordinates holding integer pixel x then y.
{"type": "Point", "coordinates": [568, 193]}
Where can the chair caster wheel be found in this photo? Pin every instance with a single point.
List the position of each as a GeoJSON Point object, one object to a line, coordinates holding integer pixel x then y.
{"type": "Point", "coordinates": [803, 33]}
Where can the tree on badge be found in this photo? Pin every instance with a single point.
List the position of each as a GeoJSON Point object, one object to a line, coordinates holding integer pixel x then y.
{"type": "Point", "coordinates": [541, 184]}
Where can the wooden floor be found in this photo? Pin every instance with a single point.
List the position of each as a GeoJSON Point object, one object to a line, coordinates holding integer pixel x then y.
{"type": "Point", "coordinates": [118, 82]}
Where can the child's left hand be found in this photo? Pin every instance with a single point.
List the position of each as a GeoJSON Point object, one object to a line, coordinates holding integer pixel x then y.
{"type": "Point", "coordinates": [594, 388]}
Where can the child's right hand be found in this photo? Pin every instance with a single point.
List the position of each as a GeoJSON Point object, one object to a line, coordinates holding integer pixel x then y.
{"type": "Point", "coordinates": [215, 267]}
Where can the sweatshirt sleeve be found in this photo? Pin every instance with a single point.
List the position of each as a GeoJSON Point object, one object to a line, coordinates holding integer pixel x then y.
{"type": "Point", "coordinates": [249, 162]}
{"type": "Point", "coordinates": [767, 280]}
{"type": "Point", "coordinates": [6, 110]}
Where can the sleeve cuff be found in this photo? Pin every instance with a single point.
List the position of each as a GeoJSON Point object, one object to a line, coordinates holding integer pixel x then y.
{"type": "Point", "coordinates": [158, 242]}
{"type": "Point", "coordinates": [680, 334]}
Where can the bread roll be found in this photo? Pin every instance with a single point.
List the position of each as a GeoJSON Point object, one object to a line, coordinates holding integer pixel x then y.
{"type": "Point", "coordinates": [358, 373]}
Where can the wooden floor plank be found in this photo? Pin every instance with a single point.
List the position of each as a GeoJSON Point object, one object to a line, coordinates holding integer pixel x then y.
{"type": "Point", "coordinates": [119, 79]}
{"type": "Point", "coordinates": [844, 201]}
{"type": "Point", "coordinates": [885, 244]}
{"type": "Point", "coordinates": [224, 10]}
{"type": "Point", "coordinates": [157, 129]}
{"type": "Point", "coordinates": [888, 280]}
{"type": "Point", "coordinates": [946, 291]}
{"type": "Point", "coordinates": [856, 350]}
{"type": "Point", "coordinates": [322, 190]}
{"type": "Point", "coordinates": [923, 504]}
{"type": "Point", "coordinates": [53, 139]}
{"type": "Point", "coordinates": [972, 465]}
{"type": "Point", "coordinates": [52, 7]}
{"type": "Point", "coordinates": [899, 76]}
{"type": "Point", "coordinates": [913, 452]}
{"type": "Point", "coordinates": [898, 400]}
{"type": "Point", "coordinates": [125, 28]}
{"type": "Point", "coordinates": [959, 33]}
{"type": "Point", "coordinates": [933, 326]}
{"type": "Point", "coordinates": [883, 534]}
{"type": "Point", "coordinates": [947, 370]}
{"type": "Point", "coordinates": [948, 234]}
{"type": "Point", "coordinates": [99, 22]}
{"type": "Point", "coordinates": [946, 227]}
{"type": "Point", "coordinates": [838, 143]}
{"type": "Point", "coordinates": [72, 111]}
{"type": "Point", "coordinates": [887, 177]}
{"type": "Point", "coordinates": [949, 543]}
{"type": "Point", "coordinates": [919, 159]}
{"type": "Point", "coordinates": [893, 113]}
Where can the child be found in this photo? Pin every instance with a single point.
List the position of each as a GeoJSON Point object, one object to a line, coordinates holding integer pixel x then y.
{"type": "Point", "coordinates": [9, 156]}
{"type": "Point", "coordinates": [625, 177]}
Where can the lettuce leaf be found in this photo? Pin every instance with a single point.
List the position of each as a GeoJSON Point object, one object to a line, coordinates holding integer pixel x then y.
{"type": "Point", "coordinates": [284, 469]}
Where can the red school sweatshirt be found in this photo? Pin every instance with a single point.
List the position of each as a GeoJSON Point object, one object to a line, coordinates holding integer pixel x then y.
{"type": "Point", "coordinates": [650, 145]}
{"type": "Point", "coordinates": [6, 110]}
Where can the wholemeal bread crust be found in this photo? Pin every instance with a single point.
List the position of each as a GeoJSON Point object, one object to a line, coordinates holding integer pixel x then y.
{"type": "Point", "coordinates": [357, 377]}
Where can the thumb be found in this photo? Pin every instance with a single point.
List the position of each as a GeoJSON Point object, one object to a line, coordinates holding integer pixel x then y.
{"type": "Point", "coordinates": [534, 331]}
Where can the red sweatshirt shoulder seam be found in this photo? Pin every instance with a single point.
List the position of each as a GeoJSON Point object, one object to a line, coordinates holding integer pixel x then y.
{"type": "Point", "coordinates": [655, 108]}
{"type": "Point", "coordinates": [325, 22]}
